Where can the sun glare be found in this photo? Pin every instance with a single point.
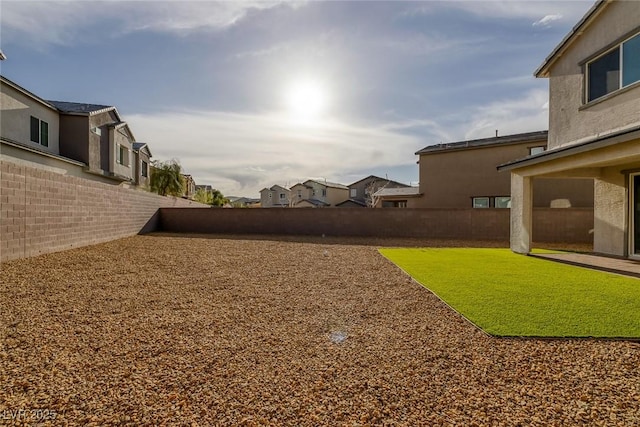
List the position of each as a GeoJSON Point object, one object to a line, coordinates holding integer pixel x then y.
{"type": "Point", "coordinates": [306, 100]}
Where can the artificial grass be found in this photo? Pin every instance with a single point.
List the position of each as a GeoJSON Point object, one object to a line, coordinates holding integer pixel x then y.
{"type": "Point", "coordinates": [507, 294]}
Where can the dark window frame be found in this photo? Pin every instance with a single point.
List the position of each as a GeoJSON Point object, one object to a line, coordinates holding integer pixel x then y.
{"type": "Point", "coordinates": [617, 48]}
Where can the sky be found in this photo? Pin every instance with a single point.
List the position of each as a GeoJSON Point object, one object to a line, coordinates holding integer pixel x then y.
{"type": "Point", "coordinates": [248, 94]}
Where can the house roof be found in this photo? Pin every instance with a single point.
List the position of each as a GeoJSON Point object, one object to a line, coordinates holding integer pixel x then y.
{"type": "Point", "coordinates": [392, 192]}
{"type": "Point", "coordinates": [377, 178]}
{"type": "Point", "coordinates": [486, 142]}
{"type": "Point", "coordinates": [576, 31]}
{"type": "Point", "coordinates": [580, 147]}
{"type": "Point", "coordinates": [82, 108]}
{"type": "Point", "coordinates": [314, 202]}
{"type": "Point", "coordinates": [137, 146]}
{"type": "Point", "coordinates": [353, 201]}
{"type": "Point", "coordinates": [24, 91]}
{"type": "Point", "coordinates": [327, 184]}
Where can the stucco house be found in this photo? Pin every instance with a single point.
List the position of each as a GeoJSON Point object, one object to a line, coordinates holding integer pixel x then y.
{"type": "Point", "coordinates": [27, 119]}
{"type": "Point", "coordinates": [97, 136]}
{"type": "Point", "coordinates": [190, 187]}
{"type": "Point", "coordinates": [463, 174]}
{"type": "Point", "coordinates": [402, 197]}
{"type": "Point", "coordinates": [361, 191]}
{"type": "Point", "coordinates": [89, 135]}
{"type": "Point", "coordinates": [314, 193]}
{"type": "Point", "coordinates": [274, 197]}
{"type": "Point", "coordinates": [141, 164]}
{"type": "Point", "coordinates": [594, 128]}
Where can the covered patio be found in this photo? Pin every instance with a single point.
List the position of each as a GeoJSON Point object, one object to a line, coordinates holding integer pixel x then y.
{"type": "Point", "coordinates": [613, 162]}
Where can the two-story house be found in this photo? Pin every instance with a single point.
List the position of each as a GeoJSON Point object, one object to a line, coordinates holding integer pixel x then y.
{"type": "Point", "coordinates": [313, 194]}
{"type": "Point", "coordinates": [594, 128]}
{"type": "Point", "coordinates": [274, 197]}
{"type": "Point", "coordinates": [141, 164]}
{"type": "Point", "coordinates": [462, 174]}
{"type": "Point", "coordinates": [189, 188]}
{"type": "Point", "coordinates": [97, 136]}
{"type": "Point", "coordinates": [91, 135]}
{"type": "Point", "coordinates": [361, 192]}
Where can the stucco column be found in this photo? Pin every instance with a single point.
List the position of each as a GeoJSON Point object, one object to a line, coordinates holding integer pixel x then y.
{"type": "Point", "coordinates": [521, 213]}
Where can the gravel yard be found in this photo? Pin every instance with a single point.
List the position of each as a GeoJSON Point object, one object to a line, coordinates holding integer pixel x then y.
{"type": "Point", "coordinates": [183, 330]}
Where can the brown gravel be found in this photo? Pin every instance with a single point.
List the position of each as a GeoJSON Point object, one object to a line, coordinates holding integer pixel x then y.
{"type": "Point", "coordinates": [165, 330]}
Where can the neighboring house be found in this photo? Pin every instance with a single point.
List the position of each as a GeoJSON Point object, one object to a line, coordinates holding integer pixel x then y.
{"type": "Point", "coordinates": [274, 197]}
{"type": "Point", "coordinates": [141, 164]}
{"type": "Point", "coordinates": [594, 128]}
{"type": "Point", "coordinates": [316, 194]}
{"type": "Point", "coordinates": [350, 203]}
{"type": "Point", "coordinates": [97, 136]}
{"type": "Point", "coordinates": [403, 197]}
{"type": "Point", "coordinates": [361, 192]}
{"type": "Point", "coordinates": [189, 190]}
{"type": "Point", "coordinates": [89, 134]}
{"type": "Point", "coordinates": [243, 202]}
{"type": "Point", "coordinates": [27, 119]}
{"type": "Point", "coordinates": [463, 175]}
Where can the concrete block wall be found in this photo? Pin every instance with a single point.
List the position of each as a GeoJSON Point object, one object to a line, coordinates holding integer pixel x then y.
{"type": "Point", "coordinates": [550, 225]}
{"type": "Point", "coordinates": [43, 210]}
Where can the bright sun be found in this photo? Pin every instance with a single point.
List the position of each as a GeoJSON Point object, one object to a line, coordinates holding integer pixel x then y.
{"type": "Point", "coordinates": [306, 100]}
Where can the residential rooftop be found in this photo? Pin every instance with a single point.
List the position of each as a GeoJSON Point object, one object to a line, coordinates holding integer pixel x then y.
{"type": "Point", "coordinates": [486, 142]}
{"type": "Point", "coordinates": [80, 108]}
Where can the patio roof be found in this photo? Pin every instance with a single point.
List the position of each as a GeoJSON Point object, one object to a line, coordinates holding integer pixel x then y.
{"type": "Point", "coordinates": [585, 146]}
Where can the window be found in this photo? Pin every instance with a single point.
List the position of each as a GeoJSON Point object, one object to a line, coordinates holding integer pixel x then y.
{"type": "Point", "coordinates": [270, 195]}
{"type": "Point", "coordinates": [394, 203]}
{"type": "Point", "coordinates": [535, 150]}
{"type": "Point", "coordinates": [480, 202]}
{"type": "Point", "coordinates": [282, 196]}
{"type": "Point", "coordinates": [324, 192]}
{"type": "Point", "coordinates": [615, 69]}
{"type": "Point", "coordinates": [353, 192]}
{"type": "Point", "coordinates": [503, 202]}
{"type": "Point", "coordinates": [122, 155]}
{"type": "Point", "coordinates": [144, 169]}
{"type": "Point", "coordinates": [39, 131]}
{"type": "Point", "coordinates": [299, 194]}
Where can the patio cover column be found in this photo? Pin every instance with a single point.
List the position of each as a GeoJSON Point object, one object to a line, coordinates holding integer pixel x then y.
{"type": "Point", "coordinates": [521, 213]}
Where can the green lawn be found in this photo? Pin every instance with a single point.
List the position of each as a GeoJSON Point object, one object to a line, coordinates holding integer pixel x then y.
{"type": "Point", "coordinates": [514, 295]}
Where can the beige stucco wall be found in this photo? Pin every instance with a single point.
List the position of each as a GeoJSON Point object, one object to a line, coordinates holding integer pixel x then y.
{"type": "Point", "coordinates": [15, 118]}
{"type": "Point", "coordinates": [336, 195]}
{"type": "Point", "coordinates": [610, 213]}
{"type": "Point", "coordinates": [300, 192]}
{"type": "Point", "coordinates": [117, 136]}
{"type": "Point", "coordinates": [450, 179]}
{"type": "Point", "coordinates": [568, 124]}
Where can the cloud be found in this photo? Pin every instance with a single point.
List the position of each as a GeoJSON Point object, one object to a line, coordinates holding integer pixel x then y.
{"type": "Point", "coordinates": [242, 153]}
{"type": "Point", "coordinates": [509, 9]}
{"type": "Point", "coordinates": [65, 22]}
{"type": "Point", "coordinates": [546, 20]}
{"type": "Point", "coordinates": [524, 114]}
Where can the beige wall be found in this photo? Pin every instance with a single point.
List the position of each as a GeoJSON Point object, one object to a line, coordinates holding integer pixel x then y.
{"type": "Point", "coordinates": [15, 119]}
{"type": "Point", "coordinates": [467, 224]}
{"type": "Point", "coordinates": [303, 190]}
{"type": "Point", "coordinates": [568, 124]}
{"type": "Point", "coordinates": [118, 137]}
{"type": "Point", "coordinates": [610, 213]}
{"type": "Point", "coordinates": [450, 179]}
{"type": "Point", "coordinates": [336, 195]}
{"type": "Point", "coordinates": [48, 208]}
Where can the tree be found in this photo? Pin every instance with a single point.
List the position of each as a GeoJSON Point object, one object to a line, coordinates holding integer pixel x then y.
{"type": "Point", "coordinates": [218, 198]}
{"type": "Point", "coordinates": [203, 196]}
{"type": "Point", "coordinates": [210, 197]}
{"type": "Point", "coordinates": [371, 190]}
{"type": "Point", "coordinates": [166, 178]}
